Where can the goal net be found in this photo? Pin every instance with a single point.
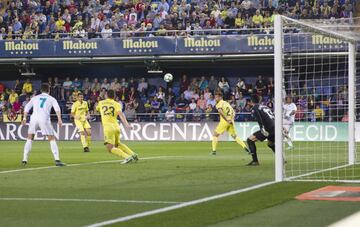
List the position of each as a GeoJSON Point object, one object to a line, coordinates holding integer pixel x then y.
{"type": "Point", "coordinates": [315, 69]}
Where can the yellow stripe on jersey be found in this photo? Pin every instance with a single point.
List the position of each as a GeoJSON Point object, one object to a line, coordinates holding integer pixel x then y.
{"type": "Point", "coordinates": [80, 109]}
{"type": "Point", "coordinates": [226, 108]}
{"type": "Point", "coordinates": [109, 110]}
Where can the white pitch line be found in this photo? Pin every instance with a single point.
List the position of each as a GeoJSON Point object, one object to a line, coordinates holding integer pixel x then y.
{"type": "Point", "coordinates": [178, 206]}
{"type": "Point", "coordinates": [83, 164]}
{"type": "Point", "coordinates": [350, 221]}
{"type": "Point", "coordinates": [318, 171]}
{"type": "Point", "coordinates": [89, 200]}
{"type": "Point", "coordinates": [328, 180]}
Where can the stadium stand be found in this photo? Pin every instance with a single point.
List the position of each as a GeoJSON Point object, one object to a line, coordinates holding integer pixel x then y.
{"type": "Point", "coordinates": [33, 19]}
{"type": "Point", "coordinates": [189, 99]}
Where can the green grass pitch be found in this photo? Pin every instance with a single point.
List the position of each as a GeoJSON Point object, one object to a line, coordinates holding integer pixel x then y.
{"type": "Point", "coordinates": [170, 173]}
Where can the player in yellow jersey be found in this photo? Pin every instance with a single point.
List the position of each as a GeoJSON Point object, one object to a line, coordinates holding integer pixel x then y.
{"type": "Point", "coordinates": [110, 110]}
{"type": "Point", "coordinates": [80, 113]}
{"type": "Point", "coordinates": [226, 123]}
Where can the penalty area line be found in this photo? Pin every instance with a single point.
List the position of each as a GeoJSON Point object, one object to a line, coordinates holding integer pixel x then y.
{"type": "Point", "coordinates": [178, 206]}
{"type": "Point", "coordinates": [83, 164]}
{"type": "Point", "coordinates": [350, 221]}
{"type": "Point", "coordinates": [90, 200]}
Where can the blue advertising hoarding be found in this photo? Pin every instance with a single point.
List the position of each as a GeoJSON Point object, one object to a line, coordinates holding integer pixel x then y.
{"type": "Point", "coordinates": [231, 44]}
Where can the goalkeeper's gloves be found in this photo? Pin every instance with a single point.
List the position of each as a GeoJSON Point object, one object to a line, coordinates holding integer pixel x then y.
{"type": "Point", "coordinates": [264, 132]}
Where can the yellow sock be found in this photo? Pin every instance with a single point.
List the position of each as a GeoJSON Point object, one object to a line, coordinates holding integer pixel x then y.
{"type": "Point", "coordinates": [83, 140]}
{"type": "Point", "coordinates": [88, 140]}
{"type": "Point", "coordinates": [126, 149]}
{"type": "Point", "coordinates": [119, 152]}
{"type": "Point", "coordinates": [214, 143]}
{"type": "Point", "coordinates": [240, 142]}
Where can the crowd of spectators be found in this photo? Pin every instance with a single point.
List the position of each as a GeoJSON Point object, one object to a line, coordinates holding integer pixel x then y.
{"type": "Point", "coordinates": [43, 19]}
{"type": "Point", "coordinates": [188, 99]}
{"type": "Point", "coordinates": [320, 102]}
{"type": "Point", "coordinates": [13, 100]}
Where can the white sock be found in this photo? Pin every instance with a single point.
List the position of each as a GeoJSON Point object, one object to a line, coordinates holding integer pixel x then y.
{"type": "Point", "coordinates": [289, 142]}
{"type": "Point", "coordinates": [27, 150]}
{"type": "Point", "coordinates": [54, 149]}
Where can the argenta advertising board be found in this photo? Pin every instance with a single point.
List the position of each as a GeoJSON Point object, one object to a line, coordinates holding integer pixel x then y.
{"type": "Point", "coordinates": [190, 131]}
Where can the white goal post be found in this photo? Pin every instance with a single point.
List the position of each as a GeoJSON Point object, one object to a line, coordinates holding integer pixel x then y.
{"type": "Point", "coordinates": [315, 64]}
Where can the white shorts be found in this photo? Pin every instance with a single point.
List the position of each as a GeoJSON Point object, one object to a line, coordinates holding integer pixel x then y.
{"type": "Point", "coordinates": [44, 125]}
{"type": "Point", "coordinates": [287, 125]}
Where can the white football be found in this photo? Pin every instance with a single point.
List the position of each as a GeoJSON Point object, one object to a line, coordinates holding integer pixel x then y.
{"type": "Point", "coordinates": [168, 77]}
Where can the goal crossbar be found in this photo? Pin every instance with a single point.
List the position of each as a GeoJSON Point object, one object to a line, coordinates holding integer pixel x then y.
{"type": "Point", "coordinates": [353, 38]}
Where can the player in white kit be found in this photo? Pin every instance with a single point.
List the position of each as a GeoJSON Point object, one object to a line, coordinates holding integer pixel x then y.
{"type": "Point", "coordinates": [289, 119]}
{"type": "Point", "coordinates": [40, 118]}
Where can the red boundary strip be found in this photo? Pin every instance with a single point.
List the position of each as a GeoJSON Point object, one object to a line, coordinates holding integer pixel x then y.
{"type": "Point", "coordinates": [315, 195]}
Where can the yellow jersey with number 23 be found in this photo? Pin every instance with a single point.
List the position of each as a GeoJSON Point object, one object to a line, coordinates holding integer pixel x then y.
{"type": "Point", "coordinates": [109, 110]}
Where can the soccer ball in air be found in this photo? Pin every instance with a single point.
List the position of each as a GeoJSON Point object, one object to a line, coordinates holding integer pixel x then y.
{"type": "Point", "coordinates": [168, 77]}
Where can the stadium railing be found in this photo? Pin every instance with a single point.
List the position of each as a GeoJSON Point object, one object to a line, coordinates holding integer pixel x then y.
{"type": "Point", "coordinates": [135, 33]}
{"type": "Point", "coordinates": [197, 32]}
{"type": "Point", "coordinates": [337, 114]}
{"type": "Point", "coordinates": [176, 117]}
